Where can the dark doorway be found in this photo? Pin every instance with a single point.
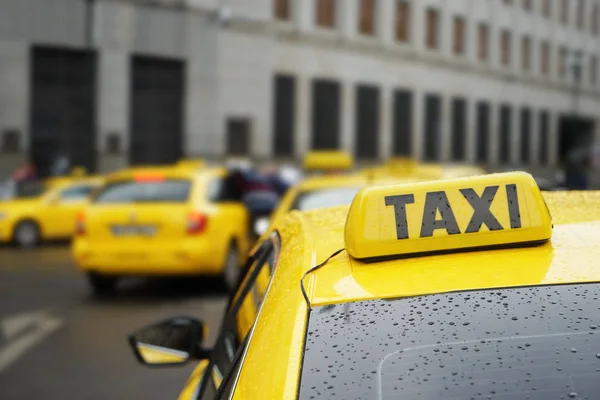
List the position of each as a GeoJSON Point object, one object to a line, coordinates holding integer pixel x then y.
{"type": "Point", "coordinates": [575, 133]}
{"type": "Point", "coordinates": [156, 110]}
{"type": "Point", "coordinates": [284, 115]}
{"type": "Point", "coordinates": [325, 115]}
{"type": "Point", "coordinates": [459, 127]}
{"type": "Point", "coordinates": [63, 107]}
{"type": "Point", "coordinates": [544, 133]}
{"type": "Point", "coordinates": [525, 135]}
{"type": "Point", "coordinates": [402, 123]}
{"type": "Point", "coordinates": [238, 136]}
{"type": "Point", "coordinates": [483, 131]}
{"type": "Point", "coordinates": [505, 131]}
{"type": "Point", "coordinates": [433, 127]}
{"type": "Point", "coordinates": [366, 144]}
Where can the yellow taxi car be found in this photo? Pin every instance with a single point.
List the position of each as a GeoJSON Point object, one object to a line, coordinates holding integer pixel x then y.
{"type": "Point", "coordinates": [466, 288]}
{"type": "Point", "coordinates": [39, 210]}
{"type": "Point", "coordinates": [162, 221]}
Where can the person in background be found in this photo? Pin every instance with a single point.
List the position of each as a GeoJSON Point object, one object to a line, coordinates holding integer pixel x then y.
{"type": "Point", "coordinates": [275, 179]}
{"type": "Point", "coordinates": [61, 166]}
{"type": "Point", "coordinates": [26, 172]}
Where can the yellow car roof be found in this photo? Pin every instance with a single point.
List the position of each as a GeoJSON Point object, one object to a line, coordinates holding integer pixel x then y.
{"type": "Point", "coordinates": [309, 239]}
{"type": "Point", "coordinates": [169, 172]}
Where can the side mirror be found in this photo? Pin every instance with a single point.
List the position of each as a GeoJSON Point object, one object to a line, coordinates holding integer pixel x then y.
{"type": "Point", "coordinates": [261, 225]}
{"type": "Point", "coordinates": [172, 342]}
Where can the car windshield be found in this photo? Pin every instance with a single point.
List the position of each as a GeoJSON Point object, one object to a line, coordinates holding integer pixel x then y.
{"type": "Point", "coordinates": [168, 191]}
{"type": "Point", "coordinates": [521, 343]}
{"type": "Point", "coordinates": [311, 200]}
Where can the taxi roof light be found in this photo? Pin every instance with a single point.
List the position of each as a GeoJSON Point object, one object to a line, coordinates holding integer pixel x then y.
{"type": "Point", "coordinates": [447, 215]}
{"type": "Point", "coordinates": [327, 160]}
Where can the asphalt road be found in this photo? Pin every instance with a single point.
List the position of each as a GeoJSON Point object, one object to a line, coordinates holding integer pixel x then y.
{"type": "Point", "coordinates": [59, 342]}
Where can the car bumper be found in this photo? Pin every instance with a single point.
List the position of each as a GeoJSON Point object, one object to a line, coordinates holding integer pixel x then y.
{"type": "Point", "coordinates": [180, 257]}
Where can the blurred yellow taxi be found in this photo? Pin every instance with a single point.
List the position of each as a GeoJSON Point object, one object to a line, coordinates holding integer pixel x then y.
{"type": "Point", "coordinates": [466, 288]}
{"type": "Point", "coordinates": [162, 221]}
{"type": "Point", "coordinates": [39, 210]}
{"type": "Point", "coordinates": [192, 163]}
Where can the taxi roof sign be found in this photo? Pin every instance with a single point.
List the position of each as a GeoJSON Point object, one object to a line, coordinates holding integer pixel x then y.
{"type": "Point", "coordinates": [447, 215]}
{"type": "Point", "coordinates": [326, 160]}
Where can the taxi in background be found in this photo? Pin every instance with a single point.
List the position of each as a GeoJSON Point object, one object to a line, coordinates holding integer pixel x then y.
{"type": "Point", "coordinates": [467, 288]}
{"type": "Point", "coordinates": [149, 221]}
{"type": "Point", "coordinates": [332, 183]}
{"type": "Point", "coordinates": [44, 210]}
{"type": "Point", "coordinates": [191, 163]}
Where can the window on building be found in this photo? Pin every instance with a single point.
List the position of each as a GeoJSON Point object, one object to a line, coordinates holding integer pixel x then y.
{"type": "Point", "coordinates": [367, 17]}
{"type": "Point", "coordinates": [483, 131]}
{"type": "Point", "coordinates": [593, 70]}
{"type": "Point", "coordinates": [595, 17]}
{"type": "Point", "coordinates": [562, 62]}
{"type": "Point", "coordinates": [433, 125]}
{"type": "Point", "coordinates": [525, 134]}
{"type": "Point", "coordinates": [284, 115]}
{"type": "Point", "coordinates": [505, 48]}
{"type": "Point", "coordinates": [367, 122]}
{"type": "Point", "coordinates": [238, 136]}
{"type": "Point", "coordinates": [526, 53]}
{"type": "Point", "coordinates": [545, 58]}
{"type": "Point", "coordinates": [325, 13]}
{"type": "Point", "coordinates": [402, 21]}
{"type": "Point", "coordinates": [505, 129]}
{"type": "Point", "coordinates": [527, 5]}
{"type": "Point", "coordinates": [547, 8]}
{"type": "Point", "coordinates": [564, 11]}
{"type": "Point", "coordinates": [431, 36]}
{"type": "Point", "coordinates": [580, 13]}
{"type": "Point", "coordinates": [543, 130]}
{"type": "Point", "coordinates": [281, 9]}
{"type": "Point", "coordinates": [509, 2]}
{"type": "Point", "coordinates": [326, 95]}
{"type": "Point", "coordinates": [459, 128]}
{"type": "Point", "coordinates": [459, 35]}
{"type": "Point", "coordinates": [402, 122]}
{"type": "Point", "coordinates": [482, 42]}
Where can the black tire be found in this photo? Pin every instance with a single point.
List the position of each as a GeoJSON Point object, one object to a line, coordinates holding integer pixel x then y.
{"type": "Point", "coordinates": [231, 269]}
{"type": "Point", "coordinates": [27, 234]}
{"type": "Point", "coordinates": [102, 285]}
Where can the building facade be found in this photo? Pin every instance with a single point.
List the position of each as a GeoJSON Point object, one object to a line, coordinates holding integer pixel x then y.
{"type": "Point", "coordinates": [117, 82]}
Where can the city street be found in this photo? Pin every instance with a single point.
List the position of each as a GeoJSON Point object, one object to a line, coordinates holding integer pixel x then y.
{"type": "Point", "coordinates": [58, 342]}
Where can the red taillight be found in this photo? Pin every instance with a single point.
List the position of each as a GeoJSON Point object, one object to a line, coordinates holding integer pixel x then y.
{"type": "Point", "coordinates": [80, 224]}
{"type": "Point", "coordinates": [196, 223]}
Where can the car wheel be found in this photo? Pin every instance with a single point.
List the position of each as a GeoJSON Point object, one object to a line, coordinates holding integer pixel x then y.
{"type": "Point", "coordinates": [102, 285]}
{"type": "Point", "coordinates": [231, 271]}
{"type": "Point", "coordinates": [26, 234]}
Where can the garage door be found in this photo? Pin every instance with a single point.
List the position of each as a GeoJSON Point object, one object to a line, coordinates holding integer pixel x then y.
{"type": "Point", "coordinates": [62, 114]}
{"type": "Point", "coordinates": [156, 115]}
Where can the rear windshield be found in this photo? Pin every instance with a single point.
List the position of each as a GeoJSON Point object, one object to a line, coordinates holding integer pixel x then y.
{"type": "Point", "coordinates": [307, 201]}
{"type": "Point", "coordinates": [168, 191]}
{"type": "Point", "coordinates": [532, 343]}
{"type": "Point", "coordinates": [22, 190]}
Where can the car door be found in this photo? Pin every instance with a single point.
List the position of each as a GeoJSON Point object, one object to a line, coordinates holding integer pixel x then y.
{"type": "Point", "coordinates": [237, 324]}
{"type": "Point", "coordinates": [61, 209]}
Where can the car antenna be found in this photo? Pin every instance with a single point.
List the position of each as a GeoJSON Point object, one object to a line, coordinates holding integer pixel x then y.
{"type": "Point", "coordinates": [313, 269]}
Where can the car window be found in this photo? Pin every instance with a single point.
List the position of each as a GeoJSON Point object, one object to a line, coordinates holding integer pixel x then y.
{"type": "Point", "coordinates": [312, 200]}
{"type": "Point", "coordinates": [237, 324]}
{"type": "Point", "coordinates": [167, 191]}
{"type": "Point", "coordinates": [75, 193]}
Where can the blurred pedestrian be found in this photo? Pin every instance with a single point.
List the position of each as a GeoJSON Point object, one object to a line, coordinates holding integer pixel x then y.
{"type": "Point", "coordinates": [61, 166]}
{"type": "Point", "coordinates": [25, 172]}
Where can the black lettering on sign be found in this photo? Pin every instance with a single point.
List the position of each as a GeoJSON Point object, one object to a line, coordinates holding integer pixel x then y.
{"type": "Point", "coordinates": [481, 209]}
{"type": "Point", "coordinates": [434, 202]}
{"type": "Point", "coordinates": [513, 206]}
{"type": "Point", "coordinates": [399, 202]}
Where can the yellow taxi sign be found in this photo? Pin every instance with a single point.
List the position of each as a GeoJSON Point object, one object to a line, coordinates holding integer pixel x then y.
{"type": "Point", "coordinates": [326, 160]}
{"type": "Point", "coordinates": [444, 215]}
